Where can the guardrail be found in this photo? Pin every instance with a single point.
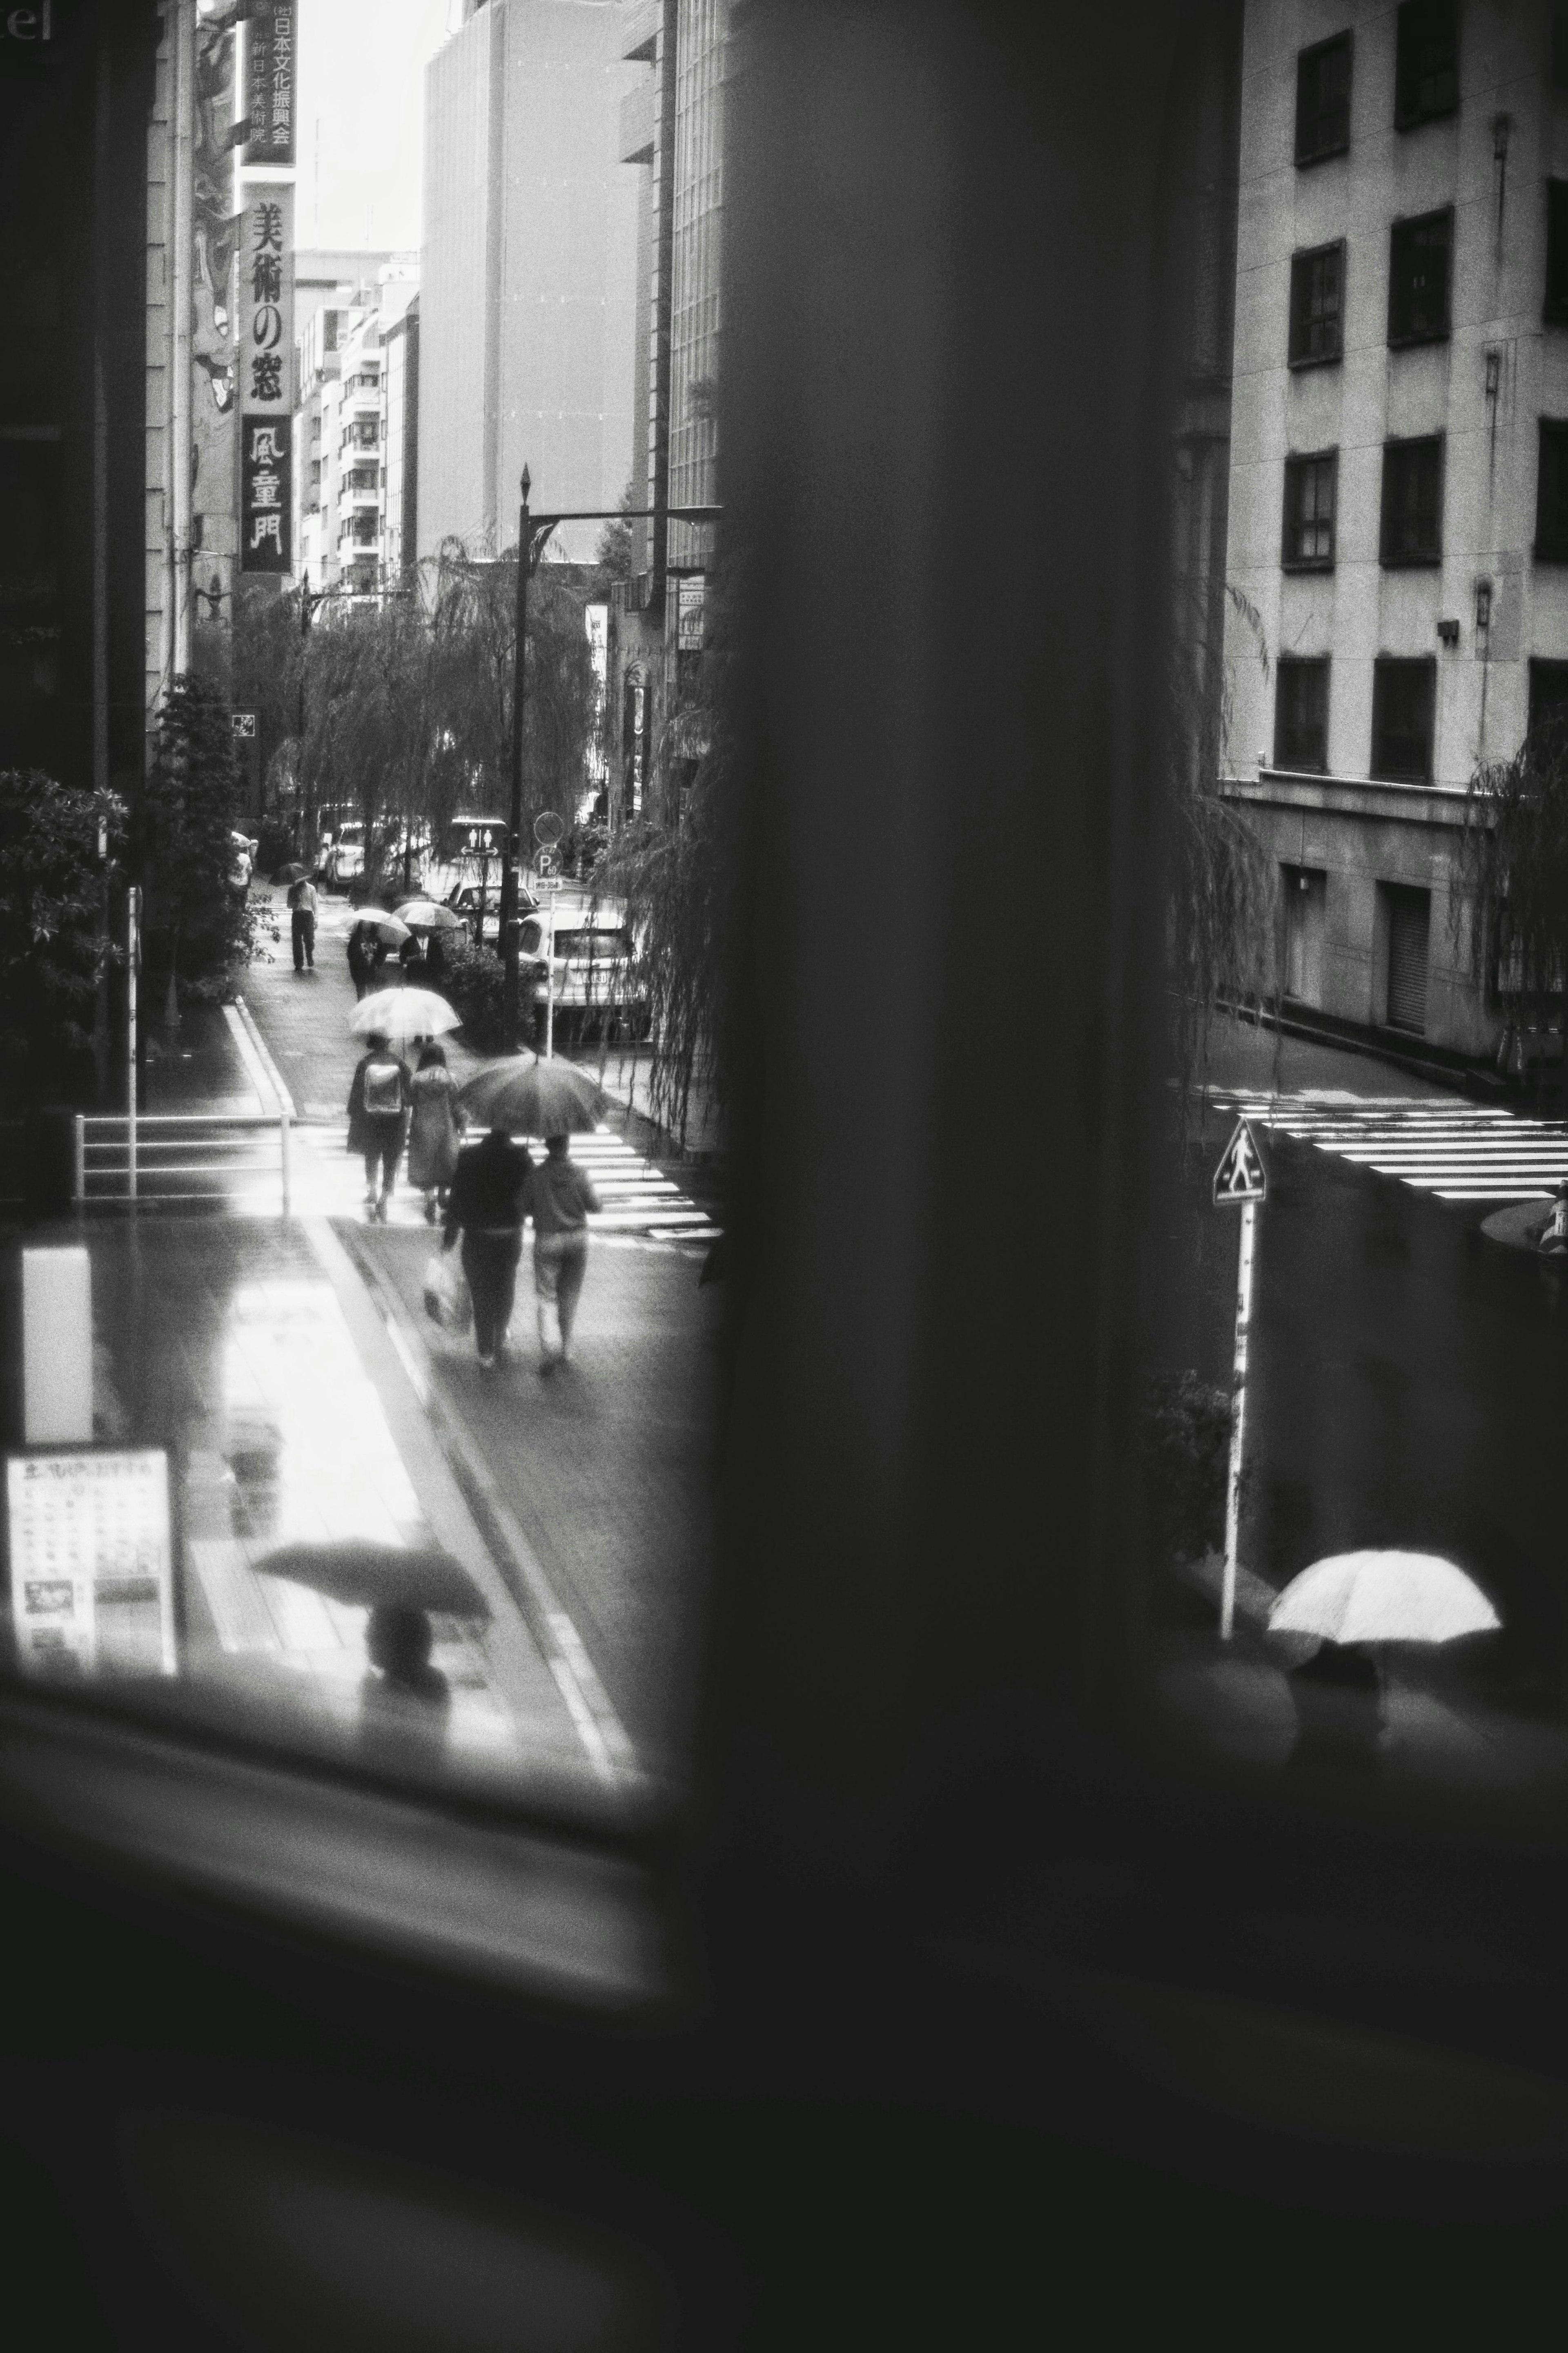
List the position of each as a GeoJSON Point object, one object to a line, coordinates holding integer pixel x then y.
{"type": "Point", "coordinates": [161, 1158]}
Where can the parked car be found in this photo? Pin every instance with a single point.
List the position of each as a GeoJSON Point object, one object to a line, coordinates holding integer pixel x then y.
{"type": "Point", "coordinates": [598, 983]}
{"type": "Point", "coordinates": [242, 862]}
{"type": "Point", "coordinates": [464, 900]}
{"type": "Point", "coordinates": [344, 860]}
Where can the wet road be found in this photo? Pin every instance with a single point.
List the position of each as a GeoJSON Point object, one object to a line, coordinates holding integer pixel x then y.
{"type": "Point", "coordinates": [1409, 1386]}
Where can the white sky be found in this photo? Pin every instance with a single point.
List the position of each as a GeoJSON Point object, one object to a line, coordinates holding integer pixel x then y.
{"type": "Point", "coordinates": [361, 77]}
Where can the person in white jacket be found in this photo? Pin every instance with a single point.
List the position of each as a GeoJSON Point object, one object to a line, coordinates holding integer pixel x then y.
{"type": "Point", "coordinates": [558, 1197]}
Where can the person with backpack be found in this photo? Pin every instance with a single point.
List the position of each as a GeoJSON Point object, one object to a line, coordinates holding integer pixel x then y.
{"type": "Point", "coordinates": [302, 912]}
{"type": "Point", "coordinates": [379, 1100]}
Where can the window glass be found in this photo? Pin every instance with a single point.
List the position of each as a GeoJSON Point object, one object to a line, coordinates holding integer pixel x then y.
{"type": "Point", "coordinates": [1317, 305]}
{"type": "Point", "coordinates": [1402, 705]}
{"type": "Point", "coordinates": [1311, 487]}
{"type": "Point", "coordinates": [1552, 493]}
{"type": "Point", "coordinates": [1554, 305]}
{"type": "Point", "coordinates": [1411, 527]}
{"type": "Point", "coordinates": [1418, 273]}
{"type": "Point", "coordinates": [1323, 99]}
{"type": "Point", "coordinates": [1302, 715]}
{"type": "Point", "coordinates": [1427, 70]}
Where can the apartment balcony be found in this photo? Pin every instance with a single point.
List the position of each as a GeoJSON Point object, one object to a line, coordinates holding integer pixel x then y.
{"type": "Point", "coordinates": [639, 122]}
{"type": "Point", "coordinates": [639, 35]}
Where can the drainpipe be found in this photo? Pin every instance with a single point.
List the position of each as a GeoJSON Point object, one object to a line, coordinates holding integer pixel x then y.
{"type": "Point", "coordinates": [180, 265]}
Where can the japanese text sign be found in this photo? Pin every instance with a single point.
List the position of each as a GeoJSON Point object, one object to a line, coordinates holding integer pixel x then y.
{"type": "Point", "coordinates": [266, 539]}
{"type": "Point", "coordinates": [689, 626]}
{"type": "Point", "coordinates": [267, 298]}
{"type": "Point", "coordinates": [270, 39]}
{"type": "Point", "coordinates": [92, 1562]}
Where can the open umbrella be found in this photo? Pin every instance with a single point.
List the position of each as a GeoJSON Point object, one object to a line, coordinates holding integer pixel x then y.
{"type": "Point", "coordinates": [364, 1575]}
{"type": "Point", "coordinates": [1383, 1597]}
{"type": "Point", "coordinates": [426, 915]}
{"type": "Point", "coordinates": [390, 928]}
{"type": "Point", "coordinates": [293, 873]}
{"type": "Point", "coordinates": [401, 1014]}
{"type": "Point", "coordinates": [534, 1098]}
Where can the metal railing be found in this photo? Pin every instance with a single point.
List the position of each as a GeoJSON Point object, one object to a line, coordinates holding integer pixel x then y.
{"type": "Point", "coordinates": [162, 1158]}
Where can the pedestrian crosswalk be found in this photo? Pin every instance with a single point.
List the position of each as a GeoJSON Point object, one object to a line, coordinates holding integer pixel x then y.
{"type": "Point", "coordinates": [1458, 1151]}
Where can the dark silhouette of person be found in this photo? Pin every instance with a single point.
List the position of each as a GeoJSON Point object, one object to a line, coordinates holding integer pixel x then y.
{"type": "Point", "coordinates": [405, 1703]}
{"type": "Point", "coordinates": [1338, 1695]}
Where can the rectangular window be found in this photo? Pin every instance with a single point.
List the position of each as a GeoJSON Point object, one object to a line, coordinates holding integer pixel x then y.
{"type": "Point", "coordinates": [1419, 256]}
{"type": "Point", "coordinates": [1302, 715]}
{"type": "Point", "coordinates": [1317, 305]}
{"type": "Point", "coordinates": [1548, 692]}
{"type": "Point", "coordinates": [1551, 494]}
{"type": "Point", "coordinates": [1560, 47]}
{"type": "Point", "coordinates": [1402, 698]}
{"type": "Point", "coordinates": [1412, 501]}
{"type": "Point", "coordinates": [1323, 99]}
{"type": "Point", "coordinates": [1310, 485]}
{"type": "Point", "coordinates": [1427, 70]}
{"type": "Point", "coordinates": [1409, 916]}
{"type": "Point", "coordinates": [1555, 306]}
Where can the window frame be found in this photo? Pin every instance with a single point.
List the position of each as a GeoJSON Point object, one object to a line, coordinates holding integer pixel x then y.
{"type": "Point", "coordinates": [1296, 665]}
{"type": "Point", "coordinates": [1300, 267]}
{"type": "Point", "coordinates": [1297, 462]}
{"type": "Point", "coordinates": [1405, 338]}
{"type": "Point", "coordinates": [1380, 771]}
{"type": "Point", "coordinates": [1425, 559]}
{"type": "Point", "coordinates": [1554, 291]}
{"type": "Point", "coordinates": [1409, 114]}
{"type": "Point", "coordinates": [1307, 59]}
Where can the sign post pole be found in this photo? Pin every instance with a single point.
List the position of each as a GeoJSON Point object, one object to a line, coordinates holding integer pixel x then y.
{"type": "Point", "coordinates": [548, 828]}
{"type": "Point", "coordinates": [1239, 1180]}
{"type": "Point", "coordinates": [132, 959]}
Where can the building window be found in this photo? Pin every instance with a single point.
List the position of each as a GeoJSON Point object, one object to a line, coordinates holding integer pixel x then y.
{"type": "Point", "coordinates": [1323, 99]}
{"type": "Point", "coordinates": [1559, 48]}
{"type": "Point", "coordinates": [1420, 252]}
{"type": "Point", "coordinates": [1427, 71]}
{"type": "Point", "coordinates": [1548, 692]}
{"type": "Point", "coordinates": [1403, 694]}
{"type": "Point", "coordinates": [1302, 715]}
{"type": "Point", "coordinates": [1409, 920]}
{"type": "Point", "coordinates": [1311, 484]}
{"type": "Point", "coordinates": [1412, 501]}
{"type": "Point", "coordinates": [1555, 306]}
{"type": "Point", "coordinates": [1551, 494]}
{"type": "Point", "coordinates": [1317, 305]}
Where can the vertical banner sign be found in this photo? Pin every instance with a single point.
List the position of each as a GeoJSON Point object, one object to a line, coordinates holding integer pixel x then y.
{"type": "Point", "coordinates": [692, 590]}
{"type": "Point", "coordinates": [269, 84]}
{"type": "Point", "coordinates": [214, 230]}
{"type": "Point", "coordinates": [266, 360]}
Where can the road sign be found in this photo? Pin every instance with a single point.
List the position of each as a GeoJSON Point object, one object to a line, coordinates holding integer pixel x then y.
{"type": "Point", "coordinates": [547, 884]}
{"type": "Point", "coordinates": [544, 863]}
{"type": "Point", "coordinates": [547, 827]}
{"type": "Point", "coordinates": [243, 724]}
{"type": "Point", "coordinates": [478, 836]}
{"type": "Point", "coordinates": [1240, 1176]}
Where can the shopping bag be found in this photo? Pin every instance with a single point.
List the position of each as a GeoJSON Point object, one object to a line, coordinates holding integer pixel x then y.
{"type": "Point", "coordinates": [447, 1300]}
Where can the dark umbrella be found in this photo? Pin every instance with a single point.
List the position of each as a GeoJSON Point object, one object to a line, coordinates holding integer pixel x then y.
{"type": "Point", "coordinates": [364, 1575]}
{"type": "Point", "coordinates": [294, 874]}
{"type": "Point", "coordinates": [534, 1098]}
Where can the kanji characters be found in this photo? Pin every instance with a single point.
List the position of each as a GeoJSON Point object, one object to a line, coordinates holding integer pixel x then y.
{"type": "Point", "coordinates": [267, 377]}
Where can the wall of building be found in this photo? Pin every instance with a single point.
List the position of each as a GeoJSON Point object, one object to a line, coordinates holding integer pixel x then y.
{"type": "Point", "coordinates": [458, 255]}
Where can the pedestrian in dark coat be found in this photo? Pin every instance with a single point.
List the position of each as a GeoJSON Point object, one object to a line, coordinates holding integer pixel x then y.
{"type": "Point", "coordinates": [379, 1102]}
{"type": "Point", "coordinates": [361, 957]}
{"type": "Point", "coordinates": [485, 1205]}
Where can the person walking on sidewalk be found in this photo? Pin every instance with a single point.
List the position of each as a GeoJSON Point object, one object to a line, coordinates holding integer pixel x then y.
{"type": "Point", "coordinates": [558, 1198]}
{"type": "Point", "coordinates": [379, 1102]}
{"type": "Point", "coordinates": [486, 1206]}
{"type": "Point", "coordinates": [302, 911]}
{"type": "Point", "coordinates": [362, 956]}
{"type": "Point", "coordinates": [434, 1129]}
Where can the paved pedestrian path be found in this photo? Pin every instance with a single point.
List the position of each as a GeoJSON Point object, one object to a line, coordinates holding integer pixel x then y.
{"type": "Point", "coordinates": [1458, 1151]}
{"type": "Point", "coordinates": [302, 1019]}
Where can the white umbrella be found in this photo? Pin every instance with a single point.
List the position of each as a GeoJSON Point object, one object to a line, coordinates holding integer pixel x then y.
{"type": "Point", "coordinates": [1383, 1597]}
{"type": "Point", "coordinates": [401, 1014]}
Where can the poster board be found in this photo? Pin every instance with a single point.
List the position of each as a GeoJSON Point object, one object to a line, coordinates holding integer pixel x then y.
{"type": "Point", "coordinates": [91, 1554]}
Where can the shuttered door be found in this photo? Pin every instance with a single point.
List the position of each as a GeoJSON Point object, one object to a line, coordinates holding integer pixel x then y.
{"type": "Point", "coordinates": [1409, 923]}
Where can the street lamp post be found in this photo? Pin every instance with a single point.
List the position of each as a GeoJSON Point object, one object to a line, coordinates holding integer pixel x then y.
{"type": "Point", "coordinates": [533, 533]}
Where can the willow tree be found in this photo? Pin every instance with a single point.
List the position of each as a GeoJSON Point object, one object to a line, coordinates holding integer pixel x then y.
{"type": "Point", "coordinates": [1514, 873]}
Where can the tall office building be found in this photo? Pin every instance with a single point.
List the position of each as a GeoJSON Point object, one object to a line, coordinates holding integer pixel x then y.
{"type": "Point", "coordinates": [672, 135]}
{"type": "Point", "coordinates": [350, 433]}
{"type": "Point", "coordinates": [528, 272]}
{"type": "Point", "coordinates": [1399, 477]}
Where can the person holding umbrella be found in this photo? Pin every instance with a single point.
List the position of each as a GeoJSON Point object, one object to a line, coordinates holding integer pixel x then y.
{"type": "Point", "coordinates": [559, 1197]}
{"type": "Point", "coordinates": [379, 1100]}
{"type": "Point", "coordinates": [485, 1205]}
{"type": "Point", "coordinates": [362, 956]}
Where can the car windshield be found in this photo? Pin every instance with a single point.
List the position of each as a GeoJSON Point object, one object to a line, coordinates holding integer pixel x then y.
{"type": "Point", "coordinates": [599, 945]}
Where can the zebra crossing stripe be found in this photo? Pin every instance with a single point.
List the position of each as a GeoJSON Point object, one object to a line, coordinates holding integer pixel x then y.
{"type": "Point", "coordinates": [1457, 1151]}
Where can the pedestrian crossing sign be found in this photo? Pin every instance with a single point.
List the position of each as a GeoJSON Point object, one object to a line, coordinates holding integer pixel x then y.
{"type": "Point", "coordinates": [1239, 1177]}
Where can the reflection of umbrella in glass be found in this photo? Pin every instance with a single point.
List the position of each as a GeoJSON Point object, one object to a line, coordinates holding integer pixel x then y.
{"type": "Point", "coordinates": [534, 1098]}
{"type": "Point", "coordinates": [1383, 1597]}
{"type": "Point", "coordinates": [425, 915]}
{"type": "Point", "coordinates": [401, 1014]}
{"type": "Point", "coordinates": [368, 1575]}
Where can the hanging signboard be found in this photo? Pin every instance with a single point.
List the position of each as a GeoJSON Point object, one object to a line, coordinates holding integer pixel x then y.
{"type": "Point", "coordinates": [270, 34]}
{"type": "Point", "coordinates": [264, 495]}
{"type": "Point", "coordinates": [267, 298]}
{"type": "Point", "coordinates": [92, 1562]}
{"type": "Point", "coordinates": [692, 590]}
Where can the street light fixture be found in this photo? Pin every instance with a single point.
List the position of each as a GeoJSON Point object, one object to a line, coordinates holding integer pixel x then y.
{"type": "Point", "coordinates": [533, 537]}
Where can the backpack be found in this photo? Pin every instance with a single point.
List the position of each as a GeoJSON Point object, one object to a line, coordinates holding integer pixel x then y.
{"type": "Point", "coordinates": [383, 1089]}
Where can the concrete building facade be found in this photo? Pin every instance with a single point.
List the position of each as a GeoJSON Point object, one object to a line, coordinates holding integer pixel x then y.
{"type": "Point", "coordinates": [354, 406]}
{"type": "Point", "coordinates": [527, 313]}
{"type": "Point", "coordinates": [1398, 504]}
